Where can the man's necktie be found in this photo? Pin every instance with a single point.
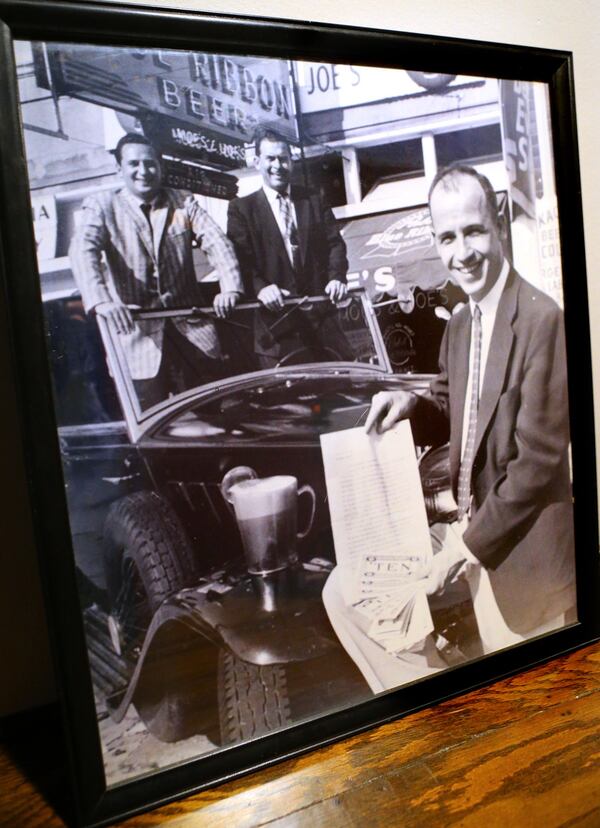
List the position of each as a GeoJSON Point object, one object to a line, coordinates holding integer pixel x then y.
{"type": "Point", "coordinates": [466, 464]}
{"type": "Point", "coordinates": [146, 209]}
{"type": "Point", "coordinates": [291, 231]}
{"type": "Point", "coordinates": [165, 298]}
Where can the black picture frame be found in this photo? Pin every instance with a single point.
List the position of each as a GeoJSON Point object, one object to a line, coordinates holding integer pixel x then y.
{"type": "Point", "coordinates": [99, 24]}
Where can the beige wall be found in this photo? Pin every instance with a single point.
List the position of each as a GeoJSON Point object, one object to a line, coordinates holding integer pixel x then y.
{"type": "Point", "coordinates": [573, 26]}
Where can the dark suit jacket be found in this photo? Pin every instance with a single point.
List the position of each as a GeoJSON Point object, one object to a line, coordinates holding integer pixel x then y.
{"type": "Point", "coordinates": [521, 522]}
{"type": "Point", "coordinates": [261, 252]}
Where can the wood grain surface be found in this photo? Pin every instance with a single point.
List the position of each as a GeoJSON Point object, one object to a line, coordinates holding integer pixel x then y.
{"type": "Point", "coordinates": [522, 752]}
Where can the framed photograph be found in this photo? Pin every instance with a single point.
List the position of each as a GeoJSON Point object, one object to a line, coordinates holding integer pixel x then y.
{"type": "Point", "coordinates": [300, 333]}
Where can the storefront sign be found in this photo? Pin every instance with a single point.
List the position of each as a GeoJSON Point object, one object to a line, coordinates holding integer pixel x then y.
{"type": "Point", "coordinates": [390, 251]}
{"type": "Point", "coordinates": [335, 85]}
{"type": "Point", "coordinates": [212, 94]}
{"type": "Point", "coordinates": [210, 183]}
{"type": "Point", "coordinates": [44, 225]}
{"type": "Point", "coordinates": [393, 255]}
{"type": "Point", "coordinates": [183, 140]}
{"type": "Point", "coordinates": [549, 249]}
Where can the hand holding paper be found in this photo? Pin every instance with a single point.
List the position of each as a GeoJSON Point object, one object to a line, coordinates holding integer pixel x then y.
{"type": "Point", "coordinates": [380, 531]}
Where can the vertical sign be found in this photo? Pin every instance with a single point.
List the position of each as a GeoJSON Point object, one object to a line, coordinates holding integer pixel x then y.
{"type": "Point", "coordinates": [519, 138]}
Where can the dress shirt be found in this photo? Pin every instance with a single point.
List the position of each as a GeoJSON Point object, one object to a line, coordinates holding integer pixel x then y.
{"type": "Point", "coordinates": [273, 199]}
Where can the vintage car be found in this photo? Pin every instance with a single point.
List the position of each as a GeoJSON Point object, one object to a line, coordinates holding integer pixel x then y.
{"type": "Point", "coordinates": [178, 622]}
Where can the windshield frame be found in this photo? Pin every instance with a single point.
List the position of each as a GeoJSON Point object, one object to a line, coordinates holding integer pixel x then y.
{"type": "Point", "coordinates": [139, 422]}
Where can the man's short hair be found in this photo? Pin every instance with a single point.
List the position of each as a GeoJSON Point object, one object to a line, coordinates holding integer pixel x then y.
{"type": "Point", "coordinates": [132, 138]}
{"type": "Point", "coordinates": [447, 177]}
{"type": "Point", "coordinates": [263, 133]}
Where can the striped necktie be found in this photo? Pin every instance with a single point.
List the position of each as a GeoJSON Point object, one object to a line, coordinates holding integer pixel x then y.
{"type": "Point", "coordinates": [291, 231]}
{"type": "Point", "coordinates": [466, 464]}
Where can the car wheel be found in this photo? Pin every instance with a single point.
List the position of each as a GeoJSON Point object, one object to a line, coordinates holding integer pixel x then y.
{"type": "Point", "coordinates": [253, 700]}
{"type": "Point", "coordinates": [147, 558]}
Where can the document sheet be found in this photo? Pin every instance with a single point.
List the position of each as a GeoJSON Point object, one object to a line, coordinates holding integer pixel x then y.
{"type": "Point", "coordinates": [379, 523]}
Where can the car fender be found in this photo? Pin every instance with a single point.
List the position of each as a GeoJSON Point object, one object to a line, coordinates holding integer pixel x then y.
{"type": "Point", "coordinates": [197, 622]}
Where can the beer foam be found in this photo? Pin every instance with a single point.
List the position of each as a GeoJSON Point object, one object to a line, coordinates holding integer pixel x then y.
{"type": "Point", "coordinates": [263, 497]}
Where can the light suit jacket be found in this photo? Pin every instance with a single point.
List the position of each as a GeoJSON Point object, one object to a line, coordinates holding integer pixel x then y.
{"type": "Point", "coordinates": [521, 515]}
{"type": "Point", "coordinates": [113, 256]}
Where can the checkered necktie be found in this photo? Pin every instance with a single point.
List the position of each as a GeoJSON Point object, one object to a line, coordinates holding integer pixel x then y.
{"type": "Point", "coordinates": [291, 231]}
{"type": "Point", "coordinates": [466, 464]}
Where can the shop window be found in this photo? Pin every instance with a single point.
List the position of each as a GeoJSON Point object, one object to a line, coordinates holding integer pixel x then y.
{"type": "Point", "coordinates": [475, 145]}
{"type": "Point", "coordinates": [324, 173]}
{"type": "Point", "coordinates": [402, 159]}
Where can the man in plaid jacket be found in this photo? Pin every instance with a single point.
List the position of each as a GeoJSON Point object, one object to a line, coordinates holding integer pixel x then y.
{"type": "Point", "coordinates": [133, 247]}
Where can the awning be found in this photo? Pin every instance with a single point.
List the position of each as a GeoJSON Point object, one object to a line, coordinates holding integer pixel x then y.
{"type": "Point", "coordinates": [388, 250]}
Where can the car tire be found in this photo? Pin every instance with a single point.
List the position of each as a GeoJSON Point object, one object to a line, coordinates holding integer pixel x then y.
{"type": "Point", "coordinates": [253, 699]}
{"type": "Point", "coordinates": [147, 558]}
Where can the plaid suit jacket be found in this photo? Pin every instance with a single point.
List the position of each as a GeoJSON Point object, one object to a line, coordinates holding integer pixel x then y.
{"type": "Point", "coordinates": [114, 257]}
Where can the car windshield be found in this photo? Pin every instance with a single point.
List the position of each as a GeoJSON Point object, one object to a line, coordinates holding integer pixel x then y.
{"type": "Point", "coordinates": [173, 351]}
{"type": "Point", "coordinates": [300, 405]}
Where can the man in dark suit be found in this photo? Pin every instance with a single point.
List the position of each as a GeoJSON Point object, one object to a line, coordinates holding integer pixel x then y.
{"type": "Point", "coordinates": [287, 243]}
{"type": "Point", "coordinates": [501, 400]}
{"type": "Point", "coordinates": [133, 247]}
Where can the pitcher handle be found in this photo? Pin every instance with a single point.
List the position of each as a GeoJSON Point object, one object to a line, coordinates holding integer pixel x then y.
{"type": "Point", "coordinates": [306, 489]}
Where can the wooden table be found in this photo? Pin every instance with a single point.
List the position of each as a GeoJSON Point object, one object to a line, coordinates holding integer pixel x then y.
{"type": "Point", "coordinates": [522, 752]}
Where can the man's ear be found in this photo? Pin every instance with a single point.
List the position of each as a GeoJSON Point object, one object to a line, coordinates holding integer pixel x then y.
{"type": "Point", "coordinates": [501, 225]}
{"type": "Point", "coordinates": [256, 161]}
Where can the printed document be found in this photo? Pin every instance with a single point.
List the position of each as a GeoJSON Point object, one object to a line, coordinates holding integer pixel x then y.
{"type": "Point", "coordinates": [379, 523]}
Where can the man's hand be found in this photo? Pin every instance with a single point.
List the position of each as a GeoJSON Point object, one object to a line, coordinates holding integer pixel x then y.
{"type": "Point", "coordinates": [272, 297]}
{"type": "Point", "coordinates": [388, 408]}
{"type": "Point", "coordinates": [448, 564]}
{"type": "Point", "coordinates": [225, 302]}
{"type": "Point", "coordinates": [451, 562]}
{"type": "Point", "coordinates": [336, 290]}
{"type": "Point", "coordinates": [117, 313]}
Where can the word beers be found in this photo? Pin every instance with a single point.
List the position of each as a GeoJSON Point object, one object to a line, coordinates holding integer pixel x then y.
{"type": "Point", "coordinates": [266, 512]}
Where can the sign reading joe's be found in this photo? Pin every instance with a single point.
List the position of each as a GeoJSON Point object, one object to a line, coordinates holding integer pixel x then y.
{"type": "Point", "coordinates": [194, 104]}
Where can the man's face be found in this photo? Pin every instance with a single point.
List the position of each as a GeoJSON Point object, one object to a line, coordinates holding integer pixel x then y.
{"type": "Point", "coordinates": [467, 237]}
{"type": "Point", "coordinates": [140, 169]}
{"type": "Point", "coordinates": [275, 164]}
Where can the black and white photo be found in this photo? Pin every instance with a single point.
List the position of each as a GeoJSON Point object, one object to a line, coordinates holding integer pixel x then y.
{"type": "Point", "coordinates": [312, 390]}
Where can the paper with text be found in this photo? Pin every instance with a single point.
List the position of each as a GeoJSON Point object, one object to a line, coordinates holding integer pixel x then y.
{"type": "Point", "coordinates": [377, 509]}
{"type": "Point", "coordinates": [381, 537]}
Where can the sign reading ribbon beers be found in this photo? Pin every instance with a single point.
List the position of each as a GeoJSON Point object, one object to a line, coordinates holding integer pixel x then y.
{"type": "Point", "coordinates": [207, 104]}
